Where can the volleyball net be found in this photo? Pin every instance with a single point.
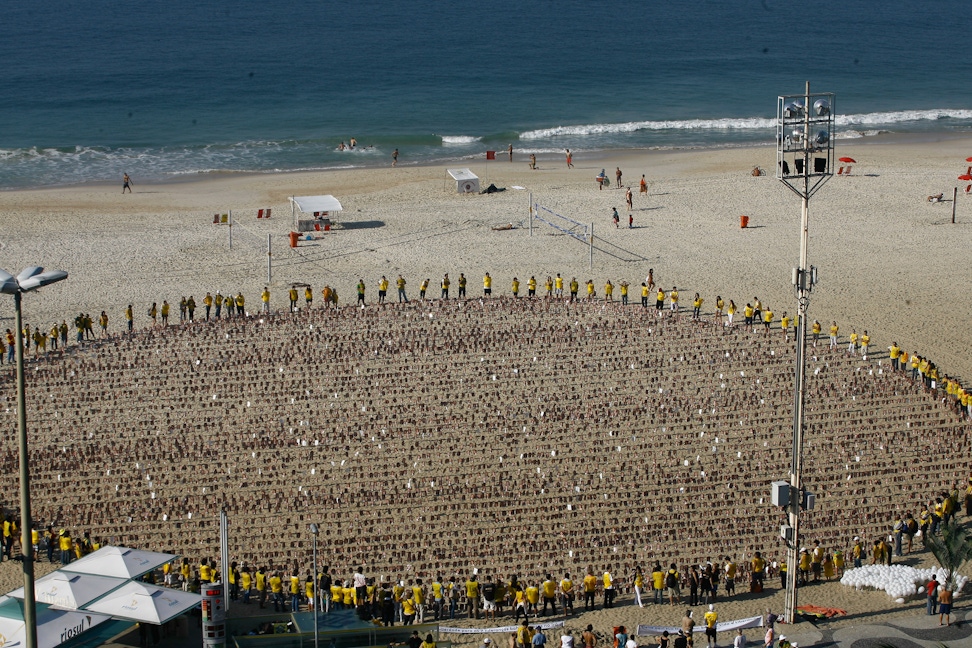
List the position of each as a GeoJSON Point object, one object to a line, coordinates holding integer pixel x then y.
{"type": "Point", "coordinates": [561, 223]}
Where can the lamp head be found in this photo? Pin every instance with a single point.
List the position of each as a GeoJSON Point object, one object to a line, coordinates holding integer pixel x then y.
{"type": "Point", "coordinates": [821, 107]}
{"type": "Point", "coordinates": [314, 528]}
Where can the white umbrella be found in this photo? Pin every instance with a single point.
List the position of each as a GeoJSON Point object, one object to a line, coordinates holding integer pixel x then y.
{"type": "Point", "coordinates": [70, 591]}
{"type": "Point", "coordinates": [54, 627]}
{"type": "Point", "coordinates": [145, 603]}
{"type": "Point", "coordinates": [119, 562]}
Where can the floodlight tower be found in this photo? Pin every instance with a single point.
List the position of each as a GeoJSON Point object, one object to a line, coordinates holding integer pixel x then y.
{"type": "Point", "coordinates": [804, 162]}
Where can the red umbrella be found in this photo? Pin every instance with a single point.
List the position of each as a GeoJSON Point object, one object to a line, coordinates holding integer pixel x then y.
{"type": "Point", "coordinates": [968, 159]}
{"type": "Point", "coordinates": [848, 160]}
{"type": "Point", "coordinates": [965, 176]}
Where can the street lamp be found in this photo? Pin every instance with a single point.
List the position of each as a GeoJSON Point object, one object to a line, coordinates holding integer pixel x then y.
{"type": "Point", "coordinates": [314, 529]}
{"type": "Point", "coordinates": [28, 280]}
{"type": "Point", "coordinates": [805, 138]}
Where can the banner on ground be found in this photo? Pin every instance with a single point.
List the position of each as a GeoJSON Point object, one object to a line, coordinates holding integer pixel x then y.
{"type": "Point", "coordinates": [722, 626]}
{"type": "Point", "coordinates": [546, 626]}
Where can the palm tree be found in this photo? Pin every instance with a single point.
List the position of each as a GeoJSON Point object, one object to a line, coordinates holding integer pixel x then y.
{"type": "Point", "coordinates": [952, 547]}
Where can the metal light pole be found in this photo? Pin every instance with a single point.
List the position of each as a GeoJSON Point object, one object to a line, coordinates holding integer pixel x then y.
{"type": "Point", "coordinates": [28, 280]}
{"type": "Point", "coordinates": [804, 138]}
{"type": "Point", "coordinates": [314, 529]}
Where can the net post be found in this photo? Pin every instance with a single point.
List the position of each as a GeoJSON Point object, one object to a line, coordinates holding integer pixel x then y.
{"type": "Point", "coordinates": [591, 237]}
{"type": "Point", "coordinates": [531, 213]}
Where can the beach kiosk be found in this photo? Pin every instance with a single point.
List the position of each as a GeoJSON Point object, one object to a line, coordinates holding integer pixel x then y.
{"type": "Point", "coordinates": [313, 213]}
{"type": "Point", "coordinates": [465, 180]}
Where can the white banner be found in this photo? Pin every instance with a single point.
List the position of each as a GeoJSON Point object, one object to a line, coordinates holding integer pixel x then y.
{"type": "Point", "coordinates": [722, 626]}
{"type": "Point", "coordinates": [546, 626]}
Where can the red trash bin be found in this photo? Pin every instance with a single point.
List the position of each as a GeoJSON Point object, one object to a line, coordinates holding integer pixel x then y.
{"type": "Point", "coordinates": [293, 239]}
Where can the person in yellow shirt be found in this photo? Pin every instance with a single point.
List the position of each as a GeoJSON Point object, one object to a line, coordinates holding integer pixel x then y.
{"type": "Point", "coordinates": [591, 294]}
{"type": "Point", "coordinates": [624, 293]}
{"type": "Point", "coordinates": [697, 307]}
{"type": "Point", "coordinates": [758, 568]}
{"type": "Point", "coordinates": [767, 320]}
{"type": "Point", "coordinates": [276, 591]}
{"type": "Point", "coordinates": [382, 289]}
{"type": "Point", "coordinates": [608, 588]}
{"type": "Point", "coordinates": [730, 313]}
{"type": "Point", "coordinates": [815, 330]}
{"type": "Point", "coordinates": [445, 286]}
{"type": "Point", "coordinates": [462, 285]}
{"type": "Point", "coordinates": [574, 287]}
{"type": "Point", "coordinates": [532, 598]}
{"type": "Point", "coordinates": [246, 583]}
{"type": "Point", "coordinates": [852, 345]}
{"type": "Point", "coordinates": [567, 594]}
{"type": "Point", "coordinates": [833, 335]}
{"type": "Point", "coordinates": [265, 298]}
{"type": "Point", "coordinates": [720, 307]}
{"type": "Point", "coordinates": [205, 571]}
{"type": "Point", "coordinates": [408, 608]}
{"type": "Point", "coordinates": [549, 286]}
{"type": "Point", "coordinates": [185, 574]}
{"type": "Point", "coordinates": [400, 283]}
{"type": "Point", "coordinates": [748, 313]}
{"type": "Point", "coordinates": [487, 285]}
{"type": "Point", "coordinates": [865, 343]}
{"type": "Point", "coordinates": [673, 300]}
{"type": "Point", "coordinates": [644, 295]}
{"type": "Point", "coordinates": [559, 286]}
{"type": "Point", "coordinates": [292, 294]}
{"type": "Point", "coordinates": [309, 590]}
{"type": "Point", "coordinates": [240, 304]}
{"type": "Point", "coordinates": [608, 291]}
{"type": "Point", "coordinates": [337, 594]}
{"type": "Point", "coordinates": [419, 596]}
{"type": "Point", "coordinates": [785, 325]}
{"type": "Point", "coordinates": [472, 597]}
{"type": "Point", "coordinates": [208, 303]}
{"type": "Point", "coordinates": [711, 617]}
{"type": "Point", "coordinates": [532, 287]}
{"type": "Point", "coordinates": [308, 296]}
{"type": "Point", "coordinates": [516, 287]}
{"type": "Point", "coordinates": [423, 287]}
{"type": "Point", "coordinates": [295, 591]}
{"type": "Point", "coordinates": [524, 634]}
{"type": "Point", "coordinates": [165, 313]}
{"type": "Point", "coordinates": [549, 590]}
{"type": "Point", "coordinates": [590, 588]}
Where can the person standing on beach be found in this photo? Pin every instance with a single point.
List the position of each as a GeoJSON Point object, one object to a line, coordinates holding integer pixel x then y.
{"type": "Point", "coordinates": [401, 289]}
{"type": "Point", "coordinates": [445, 286]}
{"type": "Point", "coordinates": [644, 185]}
{"type": "Point", "coordinates": [361, 291]}
{"type": "Point", "coordinates": [462, 286]}
{"type": "Point", "coordinates": [509, 150]}
{"type": "Point", "coordinates": [570, 159]}
{"type": "Point", "coordinates": [533, 161]}
{"type": "Point", "coordinates": [127, 183]}
{"type": "Point", "coordinates": [628, 198]}
{"type": "Point", "coordinates": [488, 281]}
{"type": "Point", "coordinates": [395, 157]}
{"type": "Point", "coordinates": [617, 174]}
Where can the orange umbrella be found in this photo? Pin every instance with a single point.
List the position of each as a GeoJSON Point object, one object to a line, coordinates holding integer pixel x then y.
{"type": "Point", "coordinates": [848, 160]}
{"type": "Point", "coordinates": [968, 159]}
{"type": "Point", "coordinates": [965, 176]}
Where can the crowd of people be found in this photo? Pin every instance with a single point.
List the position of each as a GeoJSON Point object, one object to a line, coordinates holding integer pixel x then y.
{"type": "Point", "coordinates": [542, 434]}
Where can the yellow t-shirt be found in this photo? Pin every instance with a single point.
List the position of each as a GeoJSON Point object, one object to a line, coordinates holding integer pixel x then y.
{"type": "Point", "coordinates": [590, 583]}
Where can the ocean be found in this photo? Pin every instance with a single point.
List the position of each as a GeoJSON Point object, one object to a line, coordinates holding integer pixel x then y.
{"type": "Point", "coordinates": [163, 90]}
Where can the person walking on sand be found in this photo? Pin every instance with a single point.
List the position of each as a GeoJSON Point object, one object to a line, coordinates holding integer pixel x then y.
{"type": "Point", "coordinates": [628, 198]}
{"type": "Point", "coordinates": [615, 217]}
{"type": "Point", "coordinates": [126, 183]}
{"type": "Point", "coordinates": [533, 161]}
{"type": "Point", "coordinates": [617, 174]}
{"type": "Point", "coordinates": [395, 157]}
{"type": "Point", "coordinates": [644, 185]}
{"type": "Point", "coordinates": [570, 159]}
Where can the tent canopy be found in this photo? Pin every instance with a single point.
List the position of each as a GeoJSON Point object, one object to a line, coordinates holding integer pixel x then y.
{"type": "Point", "coordinates": [70, 590]}
{"type": "Point", "coordinates": [119, 562]}
{"type": "Point", "coordinates": [142, 602]}
{"type": "Point", "coordinates": [311, 204]}
{"type": "Point", "coordinates": [54, 627]}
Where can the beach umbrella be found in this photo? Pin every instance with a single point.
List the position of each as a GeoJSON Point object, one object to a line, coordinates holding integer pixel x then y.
{"type": "Point", "coordinates": [119, 562]}
{"type": "Point", "coordinates": [70, 591]}
{"type": "Point", "coordinates": [145, 603]}
{"type": "Point", "coordinates": [968, 159]}
{"type": "Point", "coordinates": [965, 176]}
{"type": "Point", "coordinates": [54, 627]}
{"type": "Point", "coordinates": [848, 160]}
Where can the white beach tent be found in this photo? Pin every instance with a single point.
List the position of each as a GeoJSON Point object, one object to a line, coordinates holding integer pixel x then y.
{"type": "Point", "coordinates": [308, 209]}
{"type": "Point", "coordinates": [145, 603]}
{"type": "Point", "coordinates": [54, 627]}
{"type": "Point", "coordinates": [465, 180]}
{"type": "Point", "coordinates": [70, 590]}
{"type": "Point", "coordinates": [119, 562]}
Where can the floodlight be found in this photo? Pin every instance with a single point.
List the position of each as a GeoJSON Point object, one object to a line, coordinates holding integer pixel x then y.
{"type": "Point", "coordinates": [821, 138]}
{"type": "Point", "coordinates": [821, 107]}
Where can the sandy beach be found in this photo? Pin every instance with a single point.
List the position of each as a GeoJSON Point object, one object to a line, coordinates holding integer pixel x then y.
{"type": "Point", "coordinates": [130, 444]}
{"type": "Point", "coordinates": [888, 261]}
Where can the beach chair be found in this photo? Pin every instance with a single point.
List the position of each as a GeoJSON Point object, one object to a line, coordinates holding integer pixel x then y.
{"type": "Point", "coordinates": [259, 214]}
{"type": "Point", "coordinates": [267, 215]}
{"type": "Point", "coordinates": [840, 171]}
{"type": "Point", "coordinates": [215, 219]}
{"type": "Point", "coordinates": [847, 170]}
{"type": "Point", "coordinates": [968, 189]}
{"type": "Point", "coordinates": [224, 218]}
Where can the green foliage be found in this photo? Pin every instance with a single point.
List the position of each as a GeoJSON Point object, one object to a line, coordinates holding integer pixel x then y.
{"type": "Point", "coordinates": [952, 547]}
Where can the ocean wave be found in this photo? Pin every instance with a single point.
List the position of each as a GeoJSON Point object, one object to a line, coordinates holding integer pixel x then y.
{"type": "Point", "coordinates": [742, 123]}
{"type": "Point", "coordinates": [460, 139]}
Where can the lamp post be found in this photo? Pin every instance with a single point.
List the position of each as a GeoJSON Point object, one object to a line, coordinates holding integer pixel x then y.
{"type": "Point", "coordinates": [804, 137]}
{"type": "Point", "coordinates": [314, 530]}
{"type": "Point", "coordinates": [28, 280]}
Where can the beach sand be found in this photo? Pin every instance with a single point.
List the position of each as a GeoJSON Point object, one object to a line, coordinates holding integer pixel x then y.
{"type": "Point", "coordinates": [888, 261]}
